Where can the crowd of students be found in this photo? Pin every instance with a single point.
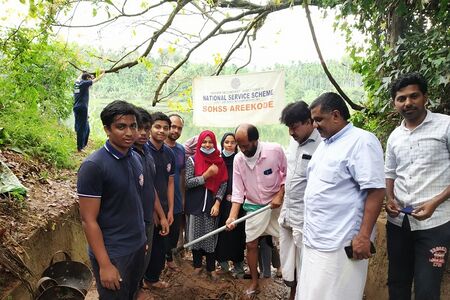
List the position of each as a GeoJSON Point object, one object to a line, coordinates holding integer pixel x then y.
{"type": "Point", "coordinates": [143, 188]}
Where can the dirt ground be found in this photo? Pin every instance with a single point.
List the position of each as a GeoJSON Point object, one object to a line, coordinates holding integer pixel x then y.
{"type": "Point", "coordinates": [185, 285]}
{"type": "Point", "coordinates": [51, 195]}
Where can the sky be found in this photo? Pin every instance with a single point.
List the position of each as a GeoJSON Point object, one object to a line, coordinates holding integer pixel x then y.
{"type": "Point", "coordinates": [284, 38]}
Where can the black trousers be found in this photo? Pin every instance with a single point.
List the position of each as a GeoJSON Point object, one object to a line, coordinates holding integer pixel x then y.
{"type": "Point", "coordinates": [130, 269]}
{"type": "Point", "coordinates": [197, 256]}
{"type": "Point", "coordinates": [81, 126]}
{"type": "Point", "coordinates": [419, 255]}
{"type": "Point", "coordinates": [157, 257]}
{"type": "Point", "coordinates": [173, 236]}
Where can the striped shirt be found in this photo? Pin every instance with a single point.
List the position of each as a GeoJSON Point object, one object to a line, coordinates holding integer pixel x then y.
{"type": "Point", "coordinates": [419, 162]}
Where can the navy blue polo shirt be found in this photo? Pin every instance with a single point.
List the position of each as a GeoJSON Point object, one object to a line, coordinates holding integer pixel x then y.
{"type": "Point", "coordinates": [179, 152]}
{"type": "Point", "coordinates": [117, 181]}
{"type": "Point", "coordinates": [148, 193]}
{"type": "Point", "coordinates": [81, 93]}
{"type": "Point", "coordinates": [165, 167]}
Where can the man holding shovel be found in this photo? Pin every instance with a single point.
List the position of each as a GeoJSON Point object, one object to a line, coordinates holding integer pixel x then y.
{"type": "Point", "coordinates": [258, 178]}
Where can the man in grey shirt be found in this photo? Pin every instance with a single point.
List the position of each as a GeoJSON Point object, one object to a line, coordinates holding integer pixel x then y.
{"type": "Point", "coordinates": [305, 139]}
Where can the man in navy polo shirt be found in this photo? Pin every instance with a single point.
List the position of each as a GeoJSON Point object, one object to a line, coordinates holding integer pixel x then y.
{"type": "Point", "coordinates": [164, 184]}
{"type": "Point", "coordinates": [176, 129]}
{"type": "Point", "coordinates": [110, 183]}
{"type": "Point", "coordinates": [150, 199]}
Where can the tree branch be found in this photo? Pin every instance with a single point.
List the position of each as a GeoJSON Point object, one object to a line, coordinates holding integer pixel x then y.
{"type": "Point", "coordinates": [324, 66]}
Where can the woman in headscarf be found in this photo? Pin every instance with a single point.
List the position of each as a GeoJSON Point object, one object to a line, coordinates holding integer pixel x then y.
{"type": "Point", "coordinates": [206, 184]}
{"type": "Point", "coordinates": [230, 244]}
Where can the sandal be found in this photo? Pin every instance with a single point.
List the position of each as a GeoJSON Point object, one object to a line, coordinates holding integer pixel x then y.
{"type": "Point", "coordinates": [173, 267]}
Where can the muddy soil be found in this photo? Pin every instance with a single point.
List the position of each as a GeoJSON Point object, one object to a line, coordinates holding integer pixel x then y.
{"type": "Point", "coordinates": [185, 285]}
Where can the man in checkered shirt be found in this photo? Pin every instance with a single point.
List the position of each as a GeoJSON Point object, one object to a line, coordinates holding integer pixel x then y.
{"type": "Point", "coordinates": [417, 171]}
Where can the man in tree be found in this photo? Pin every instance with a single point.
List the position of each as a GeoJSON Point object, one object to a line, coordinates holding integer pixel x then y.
{"type": "Point", "coordinates": [258, 176]}
{"type": "Point", "coordinates": [110, 183]}
{"type": "Point", "coordinates": [175, 131]}
{"type": "Point", "coordinates": [418, 191]}
{"type": "Point", "coordinates": [164, 184]}
{"type": "Point", "coordinates": [305, 139]}
{"type": "Point", "coordinates": [80, 107]}
{"type": "Point", "coordinates": [343, 198]}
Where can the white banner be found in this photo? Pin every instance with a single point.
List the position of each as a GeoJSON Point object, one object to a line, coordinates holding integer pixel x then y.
{"type": "Point", "coordinates": [229, 100]}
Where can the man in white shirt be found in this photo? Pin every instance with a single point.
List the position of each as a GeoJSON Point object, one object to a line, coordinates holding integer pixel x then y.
{"type": "Point", "coordinates": [305, 139]}
{"type": "Point", "coordinates": [343, 198]}
{"type": "Point", "coordinates": [418, 191]}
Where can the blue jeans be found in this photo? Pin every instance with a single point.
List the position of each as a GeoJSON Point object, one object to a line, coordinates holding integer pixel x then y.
{"type": "Point", "coordinates": [130, 269]}
{"type": "Point", "coordinates": [420, 255]}
{"type": "Point", "coordinates": [81, 126]}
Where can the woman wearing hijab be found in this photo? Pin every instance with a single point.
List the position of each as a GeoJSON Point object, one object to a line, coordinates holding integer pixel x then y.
{"type": "Point", "coordinates": [206, 184]}
{"type": "Point", "coordinates": [230, 244]}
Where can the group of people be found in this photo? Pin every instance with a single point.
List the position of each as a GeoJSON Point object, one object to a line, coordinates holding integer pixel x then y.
{"type": "Point", "coordinates": [325, 194]}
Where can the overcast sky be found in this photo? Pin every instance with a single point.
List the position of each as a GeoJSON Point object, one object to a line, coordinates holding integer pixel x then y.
{"type": "Point", "coordinates": [285, 37]}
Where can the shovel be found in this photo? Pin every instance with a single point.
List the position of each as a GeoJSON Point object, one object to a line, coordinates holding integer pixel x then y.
{"type": "Point", "coordinates": [220, 229]}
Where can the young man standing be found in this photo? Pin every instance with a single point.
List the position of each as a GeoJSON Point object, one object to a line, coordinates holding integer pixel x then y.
{"type": "Point", "coordinates": [305, 139]}
{"type": "Point", "coordinates": [80, 106]}
{"type": "Point", "coordinates": [109, 186]}
{"type": "Point", "coordinates": [164, 184]}
{"type": "Point", "coordinates": [175, 131]}
{"type": "Point", "coordinates": [418, 191]}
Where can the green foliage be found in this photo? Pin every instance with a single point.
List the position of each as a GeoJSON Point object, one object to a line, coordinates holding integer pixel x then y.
{"type": "Point", "coordinates": [401, 37]}
{"type": "Point", "coordinates": [35, 93]}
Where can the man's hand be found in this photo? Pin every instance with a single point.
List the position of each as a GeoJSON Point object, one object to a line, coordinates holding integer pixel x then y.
{"type": "Point", "coordinates": [170, 217]}
{"type": "Point", "coordinates": [361, 247]}
{"type": "Point", "coordinates": [228, 223]}
{"type": "Point", "coordinates": [165, 227]}
{"type": "Point", "coordinates": [277, 200]}
{"type": "Point", "coordinates": [425, 210]}
{"type": "Point", "coordinates": [392, 208]}
{"type": "Point", "coordinates": [110, 277]}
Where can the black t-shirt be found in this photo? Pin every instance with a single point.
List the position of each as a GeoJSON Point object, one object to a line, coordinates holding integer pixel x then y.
{"type": "Point", "coordinates": [165, 167]}
{"type": "Point", "coordinates": [148, 193]}
{"type": "Point", "coordinates": [117, 181]}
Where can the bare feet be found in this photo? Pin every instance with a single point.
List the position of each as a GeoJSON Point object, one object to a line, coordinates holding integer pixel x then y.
{"type": "Point", "coordinates": [173, 266]}
{"type": "Point", "coordinates": [156, 285]}
{"type": "Point", "coordinates": [144, 294]}
{"type": "Point", "coordinates": [213, 276]}
{"type": "Point", "coordinates": [197, 271]}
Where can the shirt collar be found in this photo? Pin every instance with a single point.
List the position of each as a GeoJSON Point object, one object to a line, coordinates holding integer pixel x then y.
{"type": "Point", "coordinates": [428, 118]}
{"type": "Point", "coordinates": [339, 134]}
{"type": "Point", "coordinates": [115, 153]}
{"type": "Point", "coordinates": [314, 136]}
{"type": "Point", "coordinates": [151, 146]}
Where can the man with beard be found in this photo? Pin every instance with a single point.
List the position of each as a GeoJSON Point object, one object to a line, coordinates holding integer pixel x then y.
{"type": "Point", "coordinates": [175, 131]}
{"type": "Point", "coordinates": [343, 198]}
{"type": "Point", "coordinates": [417, 180]}
{"type": "Point", "coordinates": [258, 176]}
{"type": "Point", "coordinates": [305, 139]}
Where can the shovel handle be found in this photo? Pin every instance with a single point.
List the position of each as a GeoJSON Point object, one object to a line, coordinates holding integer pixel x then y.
{"type": "Point", "coordinates": [220, 229]}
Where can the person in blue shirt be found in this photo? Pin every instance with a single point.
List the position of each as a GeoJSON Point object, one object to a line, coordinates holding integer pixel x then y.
{"type": "Point", "coordinates": [80, 106]}
{"type": "Point", "coordinates": [109, 186]}
{"type": "Point", "coordinates": [164, 184]}
{"type": "Point", "coordinates": [176, 128]}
